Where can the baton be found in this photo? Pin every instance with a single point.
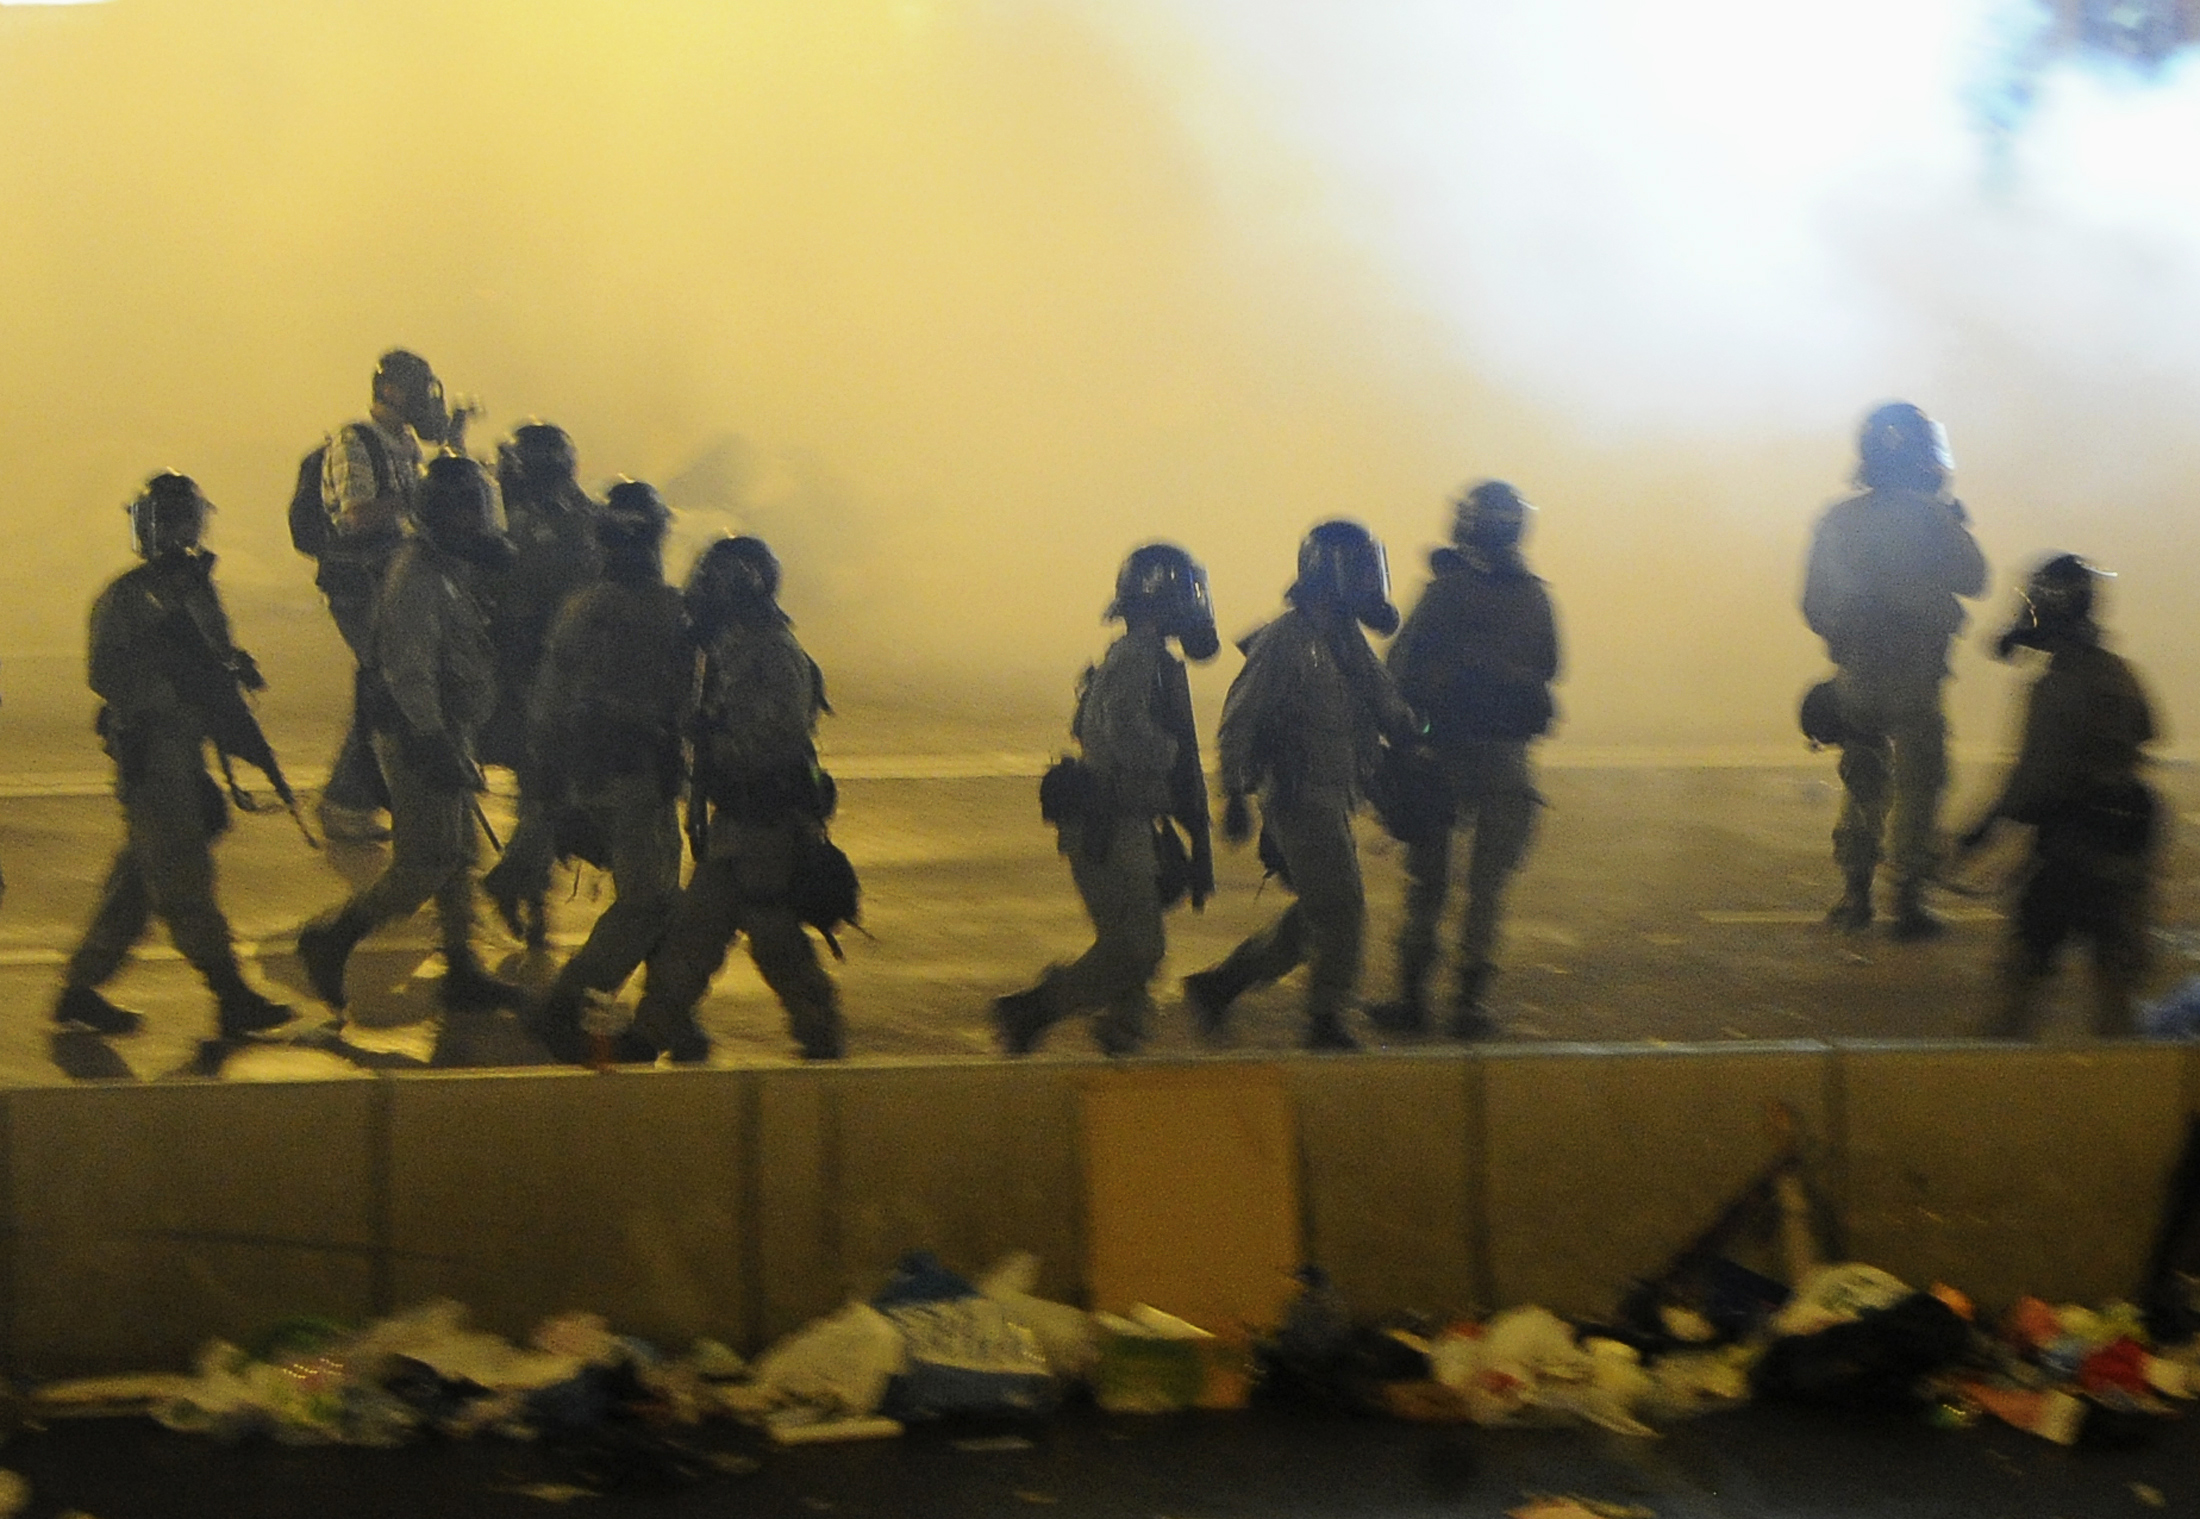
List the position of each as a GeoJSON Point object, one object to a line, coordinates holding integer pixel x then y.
{"type": "Point", "coordinates": [473, 800]}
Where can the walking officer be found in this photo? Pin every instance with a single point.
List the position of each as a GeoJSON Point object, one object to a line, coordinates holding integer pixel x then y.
{"type": "Point", "coordinates": [434, 683]}
{"type": "Point", "coordinates": [1138, 776]}
{"type": "Point", "coordinates": [756, 763]}
{"type": "Point", "coordinates": [1476, 658]}
{"type": "Point", "coordinates": [609, 706]}
{"type": "Point", "coordinates": [2094, 822]}
{"type": "Point", "coordinates": [552, 524]}
{"type": "Point", "coordinates": [159, 646]}
{"type": "Point", "coordinates": [1303, 725]}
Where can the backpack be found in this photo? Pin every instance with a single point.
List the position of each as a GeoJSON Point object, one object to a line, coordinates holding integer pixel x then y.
{"type": "Point", "coordinates": [310, 528]}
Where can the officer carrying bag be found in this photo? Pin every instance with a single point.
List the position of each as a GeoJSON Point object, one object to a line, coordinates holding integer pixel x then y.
{"type": "Point", "coordinates": [310, 528]}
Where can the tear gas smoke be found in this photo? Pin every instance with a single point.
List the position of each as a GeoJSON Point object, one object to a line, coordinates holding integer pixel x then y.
{"type": "Point", "coordinates": [955, 302]}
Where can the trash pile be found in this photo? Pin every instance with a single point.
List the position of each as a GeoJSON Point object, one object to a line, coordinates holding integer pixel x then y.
{"type": "Point", "coordinates": [1705, 1333]}
{"type": "Point", "coordinates": [930, 1345]}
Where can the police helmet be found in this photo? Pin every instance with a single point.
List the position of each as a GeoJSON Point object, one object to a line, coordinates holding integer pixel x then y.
{"type": "Point", "coordinates": [457, 511]}
{"type": "Point", "coordinates": [634, 519]}
{"type": "Point", "coordinates": [2054, 604]}
{"type": "Point", "coordinates": [168, 516]}
{"type": "Point", "coordinates": [1162, 583]}
{"type": "Point", "coordinates": [1820, 717]}
{"type": "Point", "coordinates": [544, 452]}
{"type": "Point", "coordinates": [1900, 448]}
{"type": "Point", "coordinates": [736, 579]}
{"type": "Point", "coordinates": [1342, 565]}
{"type": "Point", "coordinates": [1491, 516]}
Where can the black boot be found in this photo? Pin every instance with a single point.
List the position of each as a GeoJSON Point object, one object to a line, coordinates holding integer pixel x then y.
{"type": "Point", "coordinates": [1912, 923]}
{"type": "Point", "coordinates": [467, 988]}
{"type": "Point", "coordinates": [690, 1046]}
{"type": "Point", "coordinates": [1329, 1033]}
{"type": "Point", "coordinates": [820, 1032]}
{"type": "Point", "coordinates": [1470, 1015]}
{"type": "Point", "coordinates": [555, 1023]}
{"type": "Point", "coordinates": [1209, 993]}
{"type": "Point", "coordinates": [243, 1010]}
{"type": "Point", "coordinates": [1121, 1030]}
{"type": "Point", "coordinates": [84, 1007]}
{"type": "Point", "coordinates": [1853, 913]}
{"type": "Point", "coordinates": [1021, 1019]}
{"type": "Point", "coordinates": [1407, 1013]}
{"type": "Point", "coordinates": [325, 945]}
{"type": "Point", "coordinates": [524, 909]}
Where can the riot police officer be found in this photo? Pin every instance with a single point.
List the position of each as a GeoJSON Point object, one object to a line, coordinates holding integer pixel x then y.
{"type": "Point", "coordinates": [1303, 726]}
{"type": "Point", "coordinates": [159, 643]}
{"type": "Point", "coordinates": [1885, 573]}
{"type": "Point", "coordinates": [551, 521]}
{"type": "Point", "coordinates": [1118, 805]}
{"type": "Point", "coordinates": [609, 706]}
{"type": "Point", "coordinates": [1476, 658]}
{"type": "Point", "coordinates": [434, 686]}
{"type": "Point", "coordinates": [767, 803]}
{"type": "Point", "coordinates": [2076, 783]}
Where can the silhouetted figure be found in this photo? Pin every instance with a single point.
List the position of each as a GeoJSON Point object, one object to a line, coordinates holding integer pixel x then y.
{"type": "Point", "coordinates": [756, 763]}
{"type": "Point", "coordinates": [1476, 659]}
{"type": "Point", "coordinates": [1886, 568]}
{"type": "Point", "coordinates": [159, 643]}
{"type": "Point", "coordinates": [1303, 726]}
{"type": "Point", "coordinates": [2076, 784]}
{"type": "Point", "coordinates": [609, 706]}
{"type": "Point", "coordinates": [552, 524]}
{"type": "Point", "coordinates": [1116, 806]}
{"type": "Point", "coordinates": [433, 686]}
{"type": "Point", "coordinates": [370, 483]}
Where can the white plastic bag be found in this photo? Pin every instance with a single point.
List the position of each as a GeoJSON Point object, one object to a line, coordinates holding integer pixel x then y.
{"type": "Point", "coordinates": [837, 1366]}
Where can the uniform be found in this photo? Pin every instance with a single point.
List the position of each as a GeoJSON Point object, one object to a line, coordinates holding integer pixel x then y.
{"type": "Point", "coordinates": [609, 705]}
{"type": "Point", "coordinates": [1476, 658]}
{"type": "Point", "coordinates": [1886, 569]}
{"type": "Point", "coordinates": [432, 657]}
{"type": "Point", "coordinates": [555, 555]}
{"type": "Point", "coordinates": [1302, 725]}
{"type": "Point", "coordinates": [2076, 781]}
{"type": "Point", "coordinates": [143, 627]}
{"type": "Point", "coordinates": [1135, 734]}
{"type": "Point", "coordinates": [434, 687]}
{"type": "Point", "coordinates": [761, 698]}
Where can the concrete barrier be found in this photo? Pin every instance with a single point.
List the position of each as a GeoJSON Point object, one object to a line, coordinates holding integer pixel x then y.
{"type": "Point", "coordinates": [141, 1220]}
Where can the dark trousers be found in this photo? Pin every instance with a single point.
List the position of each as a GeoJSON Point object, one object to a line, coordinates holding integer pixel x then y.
{"type": "Point", "coordinates": [743, 886]}
{"type": "Point", "coordinates": [355, 778]}
{"type": "Point", "coordinates": [165, 868]}
{"type": "Point", "coordinates": [1325, 928]}
{"type": "Point", "coordinates": [2076, 890]}
{"type": "Point", "coordinates": [1493, 795]}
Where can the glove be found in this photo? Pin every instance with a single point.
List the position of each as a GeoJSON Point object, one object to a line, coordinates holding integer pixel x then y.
{"type": "Point", "coordinates": [1203, 871]}
{"type": "Point", "coordinates": [1237, 818]}
{"type": "Point", "coordinates": [442, 763]}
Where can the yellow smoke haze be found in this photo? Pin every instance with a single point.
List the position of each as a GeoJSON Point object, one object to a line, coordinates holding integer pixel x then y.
{"type": "Point", "coordinates": [953, 303]}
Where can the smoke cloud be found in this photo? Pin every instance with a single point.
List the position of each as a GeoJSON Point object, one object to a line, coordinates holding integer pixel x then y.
{"type": "Point", "coordinates": [956, 302]}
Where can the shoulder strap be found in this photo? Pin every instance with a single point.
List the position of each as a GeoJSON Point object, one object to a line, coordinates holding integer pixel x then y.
{"type": "Point", "coordinates": [378, 454]}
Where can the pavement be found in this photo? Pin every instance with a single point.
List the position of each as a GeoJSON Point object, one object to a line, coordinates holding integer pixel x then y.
{"type": "Point", "coordinates": [1669, 901]}
{"type": "Point", "coordinates": [1758, 1463]}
